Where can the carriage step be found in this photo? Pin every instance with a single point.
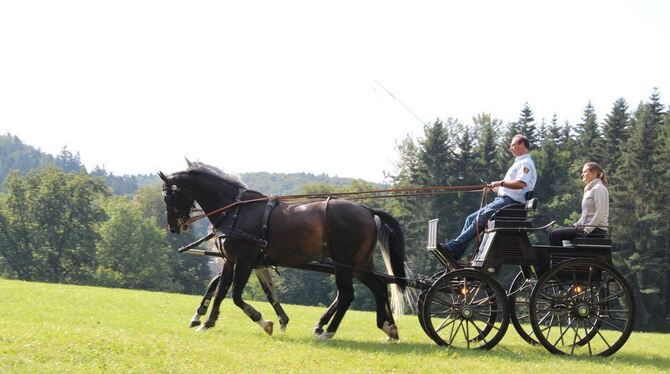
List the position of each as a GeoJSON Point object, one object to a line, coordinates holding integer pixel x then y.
{"type": "Point", "coordinates": [443, 256]}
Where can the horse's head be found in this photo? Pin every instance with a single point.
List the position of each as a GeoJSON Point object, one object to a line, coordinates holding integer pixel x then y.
{"type": "Point", "coordinates": [178, 204]}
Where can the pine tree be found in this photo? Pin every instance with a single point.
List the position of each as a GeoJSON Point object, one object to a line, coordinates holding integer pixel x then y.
{"type": "Point", "coordinates": [526, 124]}
{"type": "Point", "coordinates": [486, 130]}
{"type": "Point", "coordinates": [615, 134]}
{"type": "Point", "coordinates": [637, 195]}
{"type": "Point", "coordinates": [588, 136]}
{"type": "Point", "coordinates": [554, 131]}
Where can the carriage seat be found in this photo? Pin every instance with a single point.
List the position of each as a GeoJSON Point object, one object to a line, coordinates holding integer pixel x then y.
{"type": "Point", "coordinates": [514, 215]}
{"type": "Point", "coordinates": [599, 241]}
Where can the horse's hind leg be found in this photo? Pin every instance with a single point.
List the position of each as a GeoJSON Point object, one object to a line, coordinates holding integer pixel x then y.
{"type": "Point", "coordinates": [204, 304]}
{"type": "Point", "coordinates": [379, 290]}
{"type": "Point", "coordinates": [325, 318]}
{"type": "Point", "coordinates": [241, 275]}
{"type": "Point", "coordinates": [345, 296]}
{"type": "Point", "coordinates": [263, 275]}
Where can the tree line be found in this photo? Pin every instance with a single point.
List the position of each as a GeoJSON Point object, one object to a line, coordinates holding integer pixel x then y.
{"type": "Point", "coordinates": [61, 224]}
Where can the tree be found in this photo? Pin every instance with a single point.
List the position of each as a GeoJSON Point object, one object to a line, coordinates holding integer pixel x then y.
{"type": "Point", "coordinates": [48, 219]}
{"type": "Point", "coordinates": [486, 130]}
{"type": "Point", "coordinates": [190, 273]}
{"type": "Point", "coordinates": [554, 131]}
{"type": "Point", "coordinates": [69, 162]}
{"type": "Point", "coordinates": [638, 210]}
{"type": "Point", "coordinates": [588, 137]}
{"type": "Point", "coordinates": [615, 134]}
{"type": "Point", "coordinates": [132, 252]}
{"type": "Point", "coordinates": [526, 124]}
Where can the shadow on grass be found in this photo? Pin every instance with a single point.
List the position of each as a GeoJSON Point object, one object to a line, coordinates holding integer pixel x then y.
{"type": "Point", "coordinates": [527, 354]}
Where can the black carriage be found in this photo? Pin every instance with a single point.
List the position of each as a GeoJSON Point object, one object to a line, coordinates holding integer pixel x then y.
{"type": "Point", "coordinates": [570, 299]}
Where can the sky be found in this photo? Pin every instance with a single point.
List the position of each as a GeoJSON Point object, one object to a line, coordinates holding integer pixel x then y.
{"type": "Point", "coordinates": [288, 86]}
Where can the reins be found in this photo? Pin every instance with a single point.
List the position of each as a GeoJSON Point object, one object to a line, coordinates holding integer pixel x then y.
{"type": "Point", "coordinates": [352, 195]}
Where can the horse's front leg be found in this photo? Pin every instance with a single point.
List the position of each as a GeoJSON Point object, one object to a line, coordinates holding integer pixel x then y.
{"type": "Point", "coordinates": [204, 304]}
{"type": "Point", "coordinates": [225, 280]}
{"type": "Point", "coordinates": [263, 275]}
{"type": "Point", "coordinates": [241, 275]}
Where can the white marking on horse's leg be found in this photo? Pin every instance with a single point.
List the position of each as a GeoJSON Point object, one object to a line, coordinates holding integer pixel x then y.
{"type": "Point", "coordinates": [391, 331]}
{"type": "Point", "coordinates": [267, 326]}
{"type": "Point", "coordinates": [195, 320]}
{"type": "Point", "coordinates": [325, 336]}
{"type": "Point", "coordinates": [202, 329]}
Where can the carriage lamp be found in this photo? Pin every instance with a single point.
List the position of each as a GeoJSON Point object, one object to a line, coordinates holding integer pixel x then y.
{"type": "Point", "coordinates": [578, 289]}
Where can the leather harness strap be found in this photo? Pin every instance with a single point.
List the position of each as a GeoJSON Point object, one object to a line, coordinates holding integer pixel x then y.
{"type": "Point", "coordinates": [325, 224]}
{"type": "Point", "coordinates": [266, 218]}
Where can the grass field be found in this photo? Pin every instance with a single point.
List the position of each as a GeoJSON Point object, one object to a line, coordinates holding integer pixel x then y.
{"type": "Point", "coordinates": [59, 328]}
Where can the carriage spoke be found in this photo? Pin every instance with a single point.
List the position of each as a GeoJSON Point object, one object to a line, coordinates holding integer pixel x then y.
{"type": "Point", "coordinates": [614, 310]}
{"type": "Point", "coordinates": [451, 338]}
{"type": "Point", "coordinates": [446, 323]}
{"type": "Point", "coordinates": [481, 333]}
{"type": "Point", "coordinates": [562, 333]}
{"type": "Point", "coordinates": [603, 338]}
{"type": "Point", "coordinates": [586, 335]}
{"type": "Point", "coordinates": [620, 329]}
{"type": "Point", "coordinates": [610, 298]}
{"type": "Point", "coordinates": [574, 340]}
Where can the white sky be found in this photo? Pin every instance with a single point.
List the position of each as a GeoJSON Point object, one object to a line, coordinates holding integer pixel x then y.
{"type": "Point", "coordinates": [287, 86]}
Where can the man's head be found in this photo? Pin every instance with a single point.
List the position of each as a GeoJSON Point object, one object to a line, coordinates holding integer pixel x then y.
{"type": "Point", "coordinates": [519, 145]}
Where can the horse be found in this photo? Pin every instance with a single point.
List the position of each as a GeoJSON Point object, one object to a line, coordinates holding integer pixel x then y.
{"type": "Point", "coordinates": [261, 231]}
{"type": "Point", "coordinates": [218, 287]}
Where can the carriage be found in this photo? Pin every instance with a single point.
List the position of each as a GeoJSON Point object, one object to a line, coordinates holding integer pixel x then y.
{"type": "Point", "coordinates": [570, 299]}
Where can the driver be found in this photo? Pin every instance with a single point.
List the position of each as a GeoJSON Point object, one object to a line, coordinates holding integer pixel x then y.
{"type": "Point", "coordinates": [519, 180]}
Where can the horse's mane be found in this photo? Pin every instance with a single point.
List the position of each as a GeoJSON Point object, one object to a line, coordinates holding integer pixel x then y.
{"type": "Point", "coordinates": [201, 167]}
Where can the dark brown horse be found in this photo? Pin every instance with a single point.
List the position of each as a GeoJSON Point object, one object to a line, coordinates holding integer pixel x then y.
{"type": "Point", "coordinates": [338, 231]}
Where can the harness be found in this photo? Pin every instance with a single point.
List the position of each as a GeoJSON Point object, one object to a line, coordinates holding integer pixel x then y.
{"type": "Point", "coordinates": [261, 240]}
{"type": "Point", "coordinates": [230, 231]}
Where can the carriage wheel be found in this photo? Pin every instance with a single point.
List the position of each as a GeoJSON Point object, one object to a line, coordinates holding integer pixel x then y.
{"type": "Point", "coordinates": [519, 300]}
{"type": "Point", "coordinates": [582, 307]}
{"type": "Point", "coordinates": [421, 299]}
{"type": "Point", "coordinates": [466, 308]}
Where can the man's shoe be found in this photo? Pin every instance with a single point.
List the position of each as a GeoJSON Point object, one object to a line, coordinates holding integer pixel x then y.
{"type": "Point", "coordinates": [446, 257]}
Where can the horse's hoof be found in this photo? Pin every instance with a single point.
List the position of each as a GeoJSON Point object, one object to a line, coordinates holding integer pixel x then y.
{"type": "Point", "coordinates": [194, 323]}
{"type": "Point", "coordinates": [267, 326]}
{"type": "Point", "coordinates": [391, 331]}
{"type": "Point", "coordinates": [282, 327]}
{"type": "Point", "coordinates": [318, 330]}
{"type": "Point", "coordinates": [325, 336]}
{"type": "Point", "coordinates": [202, 328]}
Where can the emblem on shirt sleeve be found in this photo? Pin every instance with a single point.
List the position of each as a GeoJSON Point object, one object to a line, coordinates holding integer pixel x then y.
{"type": "Point", "coordinates": [525, 170]}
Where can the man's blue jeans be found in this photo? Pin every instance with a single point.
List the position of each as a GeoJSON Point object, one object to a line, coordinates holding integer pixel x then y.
{"type": "Point", "coordinates": [458, 246]}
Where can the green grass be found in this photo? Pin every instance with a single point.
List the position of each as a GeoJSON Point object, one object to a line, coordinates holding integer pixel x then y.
{"type": "Point", "coordinates": [59, 328]}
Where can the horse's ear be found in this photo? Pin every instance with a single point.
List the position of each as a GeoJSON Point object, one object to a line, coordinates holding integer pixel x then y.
{"type": "Point", "coordinates": [163, 177]}
{"type": "Point", "coordinates": [189, 163]}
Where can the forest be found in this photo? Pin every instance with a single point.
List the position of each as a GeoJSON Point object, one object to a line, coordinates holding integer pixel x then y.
{"type": "Point", "coordinates": [60, 223]}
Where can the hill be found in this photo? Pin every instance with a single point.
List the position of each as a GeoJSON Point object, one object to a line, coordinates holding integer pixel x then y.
{"type": "Point", "coordinates": [59, 328]}
{"type": "Point", "coordinates": [16, 155]}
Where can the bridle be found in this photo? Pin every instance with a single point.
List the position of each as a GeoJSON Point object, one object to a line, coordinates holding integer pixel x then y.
{"type": "Point", "coordinates": [170, 192]}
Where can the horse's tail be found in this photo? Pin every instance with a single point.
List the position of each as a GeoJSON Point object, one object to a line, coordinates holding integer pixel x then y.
{"type": "Point", "coordinates": [392, 239]}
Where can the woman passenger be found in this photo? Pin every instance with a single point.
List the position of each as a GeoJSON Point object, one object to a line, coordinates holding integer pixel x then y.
{"type": "Point", "coordinates": [595, 208]}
